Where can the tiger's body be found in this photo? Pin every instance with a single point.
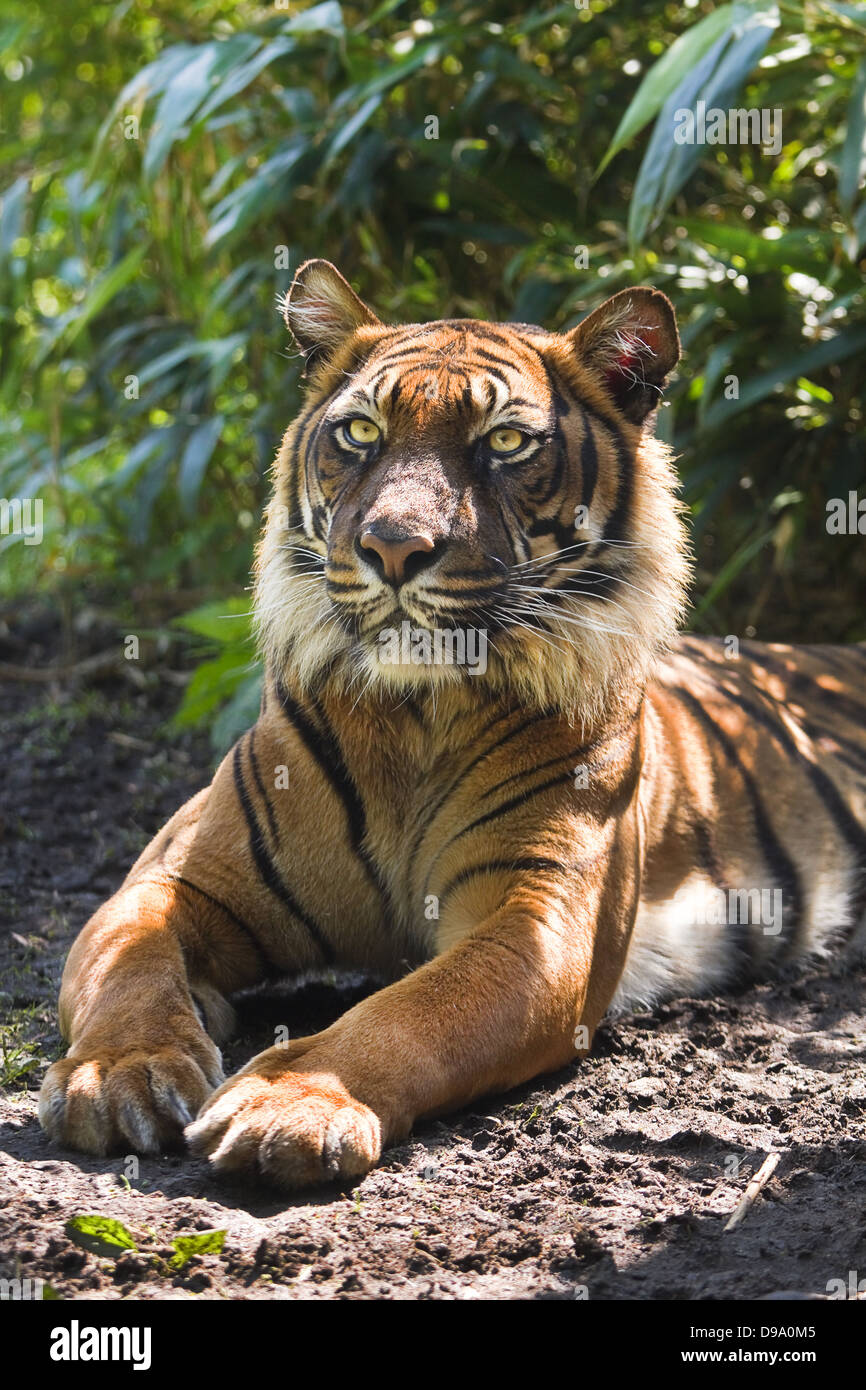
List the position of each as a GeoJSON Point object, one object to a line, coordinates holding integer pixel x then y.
{"type": "Point", "coordinates": [605, 816]}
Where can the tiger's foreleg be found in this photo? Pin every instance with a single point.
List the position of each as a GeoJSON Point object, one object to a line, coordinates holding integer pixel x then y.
{"type": "Point", "coordinates": [140, 1062]}
{"type": "Point", "coordinates": [143, 1000]}
{"type": "Point", "coordinates": [518, 996]}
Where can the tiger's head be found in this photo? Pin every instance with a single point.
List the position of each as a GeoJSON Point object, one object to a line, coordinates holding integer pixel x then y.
{"type": "Point", "coordinates": [493, 483]}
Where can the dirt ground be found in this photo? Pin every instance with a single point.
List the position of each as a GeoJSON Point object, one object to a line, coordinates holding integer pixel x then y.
{"type": "Point", "coordinates": [612, 1179]}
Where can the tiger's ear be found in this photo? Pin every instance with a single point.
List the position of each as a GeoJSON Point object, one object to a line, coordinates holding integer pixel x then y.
{"type": "Point", "coordinates": [322, 310]}
{"type": "Point", "coordinates": [633, 343]}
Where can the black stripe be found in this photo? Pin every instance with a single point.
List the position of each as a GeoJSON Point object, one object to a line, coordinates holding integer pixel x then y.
{"type": "Point", "coordinates": [521, 540]}
{"type": "Point", "coordinates": [553, 483]}
{"type": "Point", "coordinates": [588, 464]}
{"type": "Point", "coordinates": [412, 708]}
{"type": "Point", "coordinates": [511, 804]}
{"type": "Point", "coordinates": [325, 752]}
{"type": "Point", "coordinates": [232, 916]}
{"type": "Point", "coordinates": [427, 825]}
{"type": "Point", "coordinates": [798, 679]}
{"type": "Point", "coordinates": [619, 517]}
{"type": "Point", "coordinates": [597, 583]}
{"type": "Point", "coordinates": [846, 822]}
{"type": "Point", "coordinates": [468, 574]}
{"type": "Point", "coordinates": [316, 509]}
{"type": "Point", "coordinates": [267, 868]}
{"type": "Point", "coordinates": [478, 591]}
{"type": "Point", "coordinates": [774, 852]}
{"type": "Point", "coordinates": [840, 656]}
{"type": "Point", "coordinates": [616, 524]}
{"type": "Point", "coordinates": [296, 518]}
{"type": "Point", "coordinates": [581, 752]}
{"type": "Point", "coordinates": [260, 788]}
{"type": "Point", "coordinates": [560, 532]}
{"type": "Point", "coordinates": [708, 860]}
{"type": "Point", "coordinates": [529, 865]}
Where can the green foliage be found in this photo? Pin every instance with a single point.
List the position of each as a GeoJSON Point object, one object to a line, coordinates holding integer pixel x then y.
{"type": "Point", "coordinates": [101, 1235]}
{"type": "Point", "coordinates": [202, 1243]}
{"type": "Point", "coordinates": [169, 169]}
{"type": "Point", "coordinates": [229, 681]}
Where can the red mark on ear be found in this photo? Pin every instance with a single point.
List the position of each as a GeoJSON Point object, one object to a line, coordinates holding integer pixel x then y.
{"type": "Point", "coordinates": [623, 367]}
{"type": "Point", "coordinates": [628, 364]}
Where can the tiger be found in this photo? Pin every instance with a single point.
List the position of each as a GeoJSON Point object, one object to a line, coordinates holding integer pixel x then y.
{"type": "Point", "coordinates": [597, 813]}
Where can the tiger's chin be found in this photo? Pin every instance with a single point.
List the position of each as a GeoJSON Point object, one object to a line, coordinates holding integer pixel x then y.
{"type": "Point", "coordinates": [404, 660]}
{"type": "Point", "coordinates": [401, 657]}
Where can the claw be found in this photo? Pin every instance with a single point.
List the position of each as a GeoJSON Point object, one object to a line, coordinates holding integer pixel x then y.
{"type": "Point", "coordinates": [138, 1128]}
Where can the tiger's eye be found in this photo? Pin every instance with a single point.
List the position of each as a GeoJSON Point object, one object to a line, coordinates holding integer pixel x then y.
{"type": "Point", "coordinates": [362, 431]}
{"type": "Point", "coordinates": [504, 441]}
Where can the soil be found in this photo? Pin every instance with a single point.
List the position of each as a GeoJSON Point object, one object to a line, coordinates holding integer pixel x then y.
{"type": "Point", "coordinates": [612, 1179]}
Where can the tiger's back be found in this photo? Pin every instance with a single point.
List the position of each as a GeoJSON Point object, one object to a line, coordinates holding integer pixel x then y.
{"type": "Point", "coordinates": [755, 813]}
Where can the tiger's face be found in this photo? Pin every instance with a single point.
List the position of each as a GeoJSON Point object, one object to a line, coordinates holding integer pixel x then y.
{"type": "Point", "coordinates": [461, 486]}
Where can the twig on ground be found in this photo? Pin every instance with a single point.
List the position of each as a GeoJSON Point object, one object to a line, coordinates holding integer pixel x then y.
{"type": "Point", "coordinates": [747, 1201]}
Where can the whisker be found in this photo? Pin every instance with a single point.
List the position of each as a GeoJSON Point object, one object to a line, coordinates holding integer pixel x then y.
{"type": "Point", "coordinates": [569, 549]}
{"type": "Point", "coordinates": [572, 593]}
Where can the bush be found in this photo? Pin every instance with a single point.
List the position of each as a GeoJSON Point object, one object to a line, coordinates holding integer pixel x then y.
{"type": "Point", "coordinates": [170, 169]}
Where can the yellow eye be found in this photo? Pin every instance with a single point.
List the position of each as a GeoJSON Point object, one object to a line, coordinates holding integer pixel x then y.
{"type": "Point", "coordinates": [362, 431]}
{"type": "Point", "coordinates": [505, 441]}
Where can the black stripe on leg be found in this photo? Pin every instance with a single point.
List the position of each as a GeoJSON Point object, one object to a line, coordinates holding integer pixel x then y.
{"type": "Point", "coordinates": [267, 868]}
{"type": "Point", "coordinates": [534, 865]}
{"type": "Point", "coordinates": [232, 916]}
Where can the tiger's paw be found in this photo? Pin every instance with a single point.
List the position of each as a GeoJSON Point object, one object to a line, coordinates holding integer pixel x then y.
{"type": "Point", "coordinates": [134, 1098]}
{"type": "Point", "coordinates": [292, 1129]}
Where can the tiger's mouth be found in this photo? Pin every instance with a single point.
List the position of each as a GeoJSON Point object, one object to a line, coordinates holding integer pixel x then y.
{"type": "Point", "coordinates": [409, 640]}
{"type": "Point", "coordinates": [376, 611]}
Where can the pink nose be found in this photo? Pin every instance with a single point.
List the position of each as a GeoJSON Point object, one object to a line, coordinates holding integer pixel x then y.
{"type": "Point", "coordinates": [394, 553]}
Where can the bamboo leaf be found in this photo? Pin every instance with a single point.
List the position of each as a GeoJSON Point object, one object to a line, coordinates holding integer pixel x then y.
{"type": "Point", "coordinates": [665, 76]}
{"type": "Point", "coordinates": [716, 79]}
{"type": "Point", "coordinates": [852, 165]}
{"type": "Point", "coordinates": [100, 294]}
{"type": "Point", "coordinates": [224, 621]}
{"type": "Point", "coordinates": [186, 91]}
{"type": "Point", "coordinates": [196, 457]}
{"type": "Point", "coordinates": [786, 371]}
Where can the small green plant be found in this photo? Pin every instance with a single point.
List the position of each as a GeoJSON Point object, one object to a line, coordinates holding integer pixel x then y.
{"type": "Point", "coordinates": [202, 1243]}
{"type": "Point", "coordinates": [101, 1235]}
{"type": "Point", "coordinates": [18, 1053]}
{"type": "Point", "coordinates": [16, 1063]}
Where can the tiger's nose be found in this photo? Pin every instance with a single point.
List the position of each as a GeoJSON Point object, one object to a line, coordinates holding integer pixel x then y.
{"type": "Point", "coordinates": [400, 557]}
